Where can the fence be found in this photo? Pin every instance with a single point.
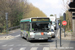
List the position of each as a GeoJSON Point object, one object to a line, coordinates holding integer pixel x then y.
{"type": "Point", "coordinates": [9, 29]}
{"type": "Point", "coordinates": [12, 28]}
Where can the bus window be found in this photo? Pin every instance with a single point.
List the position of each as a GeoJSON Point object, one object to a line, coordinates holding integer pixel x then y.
{"type": "Point", "coordinates": [22, 26]}
{"type": "Point", "coordinates": [40, 26]}
{"type": "Point", "coordinates": [26, 26]}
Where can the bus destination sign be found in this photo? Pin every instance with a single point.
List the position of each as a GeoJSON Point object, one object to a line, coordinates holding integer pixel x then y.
{"type": "Point", "coordinates": [40, 19]}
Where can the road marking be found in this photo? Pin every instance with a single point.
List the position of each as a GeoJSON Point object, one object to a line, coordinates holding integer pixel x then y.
{"type": "Point", "coordinates": [11, 49]}
{"type": "Point", "coordinates": [17, 36]}
{"type": "Point", "coordinates": [11, 45]}
{"type": "Point", "coordinates": [23, 48]}
{"type": "Point", "coordinates": [32, 45]}
{"type": "Point", "coordinates": [19, 45]}
{"type": "Point", "coordinates": [37, 45]}
{"type": "Point", "coordinates": [46, 48]}
{"type": "Point", "coordinates": [24, 45]}
{"type": "Point", "coordinates": [34, 48]}
{"type": "Point", "coordinates": [4, 45]}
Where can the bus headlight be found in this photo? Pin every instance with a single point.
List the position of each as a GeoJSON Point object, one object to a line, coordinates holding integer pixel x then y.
{"type": "Point", "coordinates": [49, 33]}
{"type": "Point", "coordinates": [31, 33]}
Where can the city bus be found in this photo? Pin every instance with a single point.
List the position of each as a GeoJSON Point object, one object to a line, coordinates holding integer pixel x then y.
{"type": "Point", "coordinates": [37, 28]}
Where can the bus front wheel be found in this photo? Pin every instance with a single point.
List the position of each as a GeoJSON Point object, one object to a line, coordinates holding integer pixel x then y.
{"type": "Point", "coordinates": [28, 38]}
{"type": "Point", "coordinates": [46, 40]}
{"type": "Point", "coordinates": [21, 35]}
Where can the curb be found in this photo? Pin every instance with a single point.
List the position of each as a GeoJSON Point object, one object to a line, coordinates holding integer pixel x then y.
{"type": "Point", "coordinates": [6, 37]}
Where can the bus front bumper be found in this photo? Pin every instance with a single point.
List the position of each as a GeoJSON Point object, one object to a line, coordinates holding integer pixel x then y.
{"type": "Point", "coordinates": [42, 37]}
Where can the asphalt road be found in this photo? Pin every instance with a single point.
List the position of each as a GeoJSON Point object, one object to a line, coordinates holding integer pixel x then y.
{"type": "Point", "coordinates": [21, 44]}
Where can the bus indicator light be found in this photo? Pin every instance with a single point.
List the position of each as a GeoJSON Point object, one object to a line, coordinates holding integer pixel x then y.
{"type": "Point", "coordinates": [42, 33]}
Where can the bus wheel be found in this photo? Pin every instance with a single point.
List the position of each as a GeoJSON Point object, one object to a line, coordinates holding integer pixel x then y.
{"type": "Point", "coordinates": [27, 38]}
{"type": "Point", "coordinates": [46, 40]}
{"type": "Point", "coordinates": [21, 35]}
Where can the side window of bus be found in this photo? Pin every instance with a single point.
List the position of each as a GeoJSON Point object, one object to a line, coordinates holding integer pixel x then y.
{"type": "Point", "coordinates": [22, 26]}
{"type": "Point", "coordinates": [26, 26]}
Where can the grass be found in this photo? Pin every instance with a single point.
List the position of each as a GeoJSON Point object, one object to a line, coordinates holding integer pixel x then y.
{"type": "Point", "coordinates": [70, 31]}
{"type": "Point", "coordinates": [2, 33]}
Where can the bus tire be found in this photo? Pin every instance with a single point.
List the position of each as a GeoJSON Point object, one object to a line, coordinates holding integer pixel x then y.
{"type": "Point", "coordinates": [21, 34]}
{"type": "Point", "coordinates": [27, 38]}
{"type": "Point", "coordinates": [46, 40]}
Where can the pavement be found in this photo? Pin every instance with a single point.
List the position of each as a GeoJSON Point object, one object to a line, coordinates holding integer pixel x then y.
{"type": "Point", "coordinates": [68, 35]}
{"type": "Point", "coordinates": [10, 35]}
{"type": "Point", "coordinates": [10, 32]}
{"type": "Point", "coordinates": [18, 43]}
{"type": "Point", "coordinates": [21, 44]}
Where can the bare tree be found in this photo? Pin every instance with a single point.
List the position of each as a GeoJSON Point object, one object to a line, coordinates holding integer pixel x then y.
{"type": "Point", "coordinates": [68, 14]}
{"type": "Point", "coordinates": [65, 4]}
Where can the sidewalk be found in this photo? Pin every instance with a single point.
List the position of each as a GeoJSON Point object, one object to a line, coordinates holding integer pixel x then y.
{"type": "Point", "coordinates": [8, 36]}
{"type": "Point", "coordinates": [9, 32]}
{"type": "Point", "coordinates": [63, 47]}
{"type": "Point", "coordinates": [68, 35]}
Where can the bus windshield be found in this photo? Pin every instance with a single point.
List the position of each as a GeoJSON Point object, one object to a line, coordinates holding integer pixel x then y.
{"type": "Point", "coordinates": [40, 27]}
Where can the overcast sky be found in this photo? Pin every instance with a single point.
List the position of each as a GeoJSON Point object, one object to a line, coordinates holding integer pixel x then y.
{"type": "Point", "coordinates": [49, 6]}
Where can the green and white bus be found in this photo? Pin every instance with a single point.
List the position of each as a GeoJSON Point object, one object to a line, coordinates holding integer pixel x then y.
{"type": "Point", "coordinates": [35, 28]}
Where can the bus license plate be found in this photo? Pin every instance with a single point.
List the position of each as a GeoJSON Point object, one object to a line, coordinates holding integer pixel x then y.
{"type": "Point", "coordinates": [41, 38]}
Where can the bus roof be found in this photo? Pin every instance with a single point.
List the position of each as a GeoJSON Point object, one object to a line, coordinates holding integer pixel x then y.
{"type": "Point", "coordinates": [29, 19]}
